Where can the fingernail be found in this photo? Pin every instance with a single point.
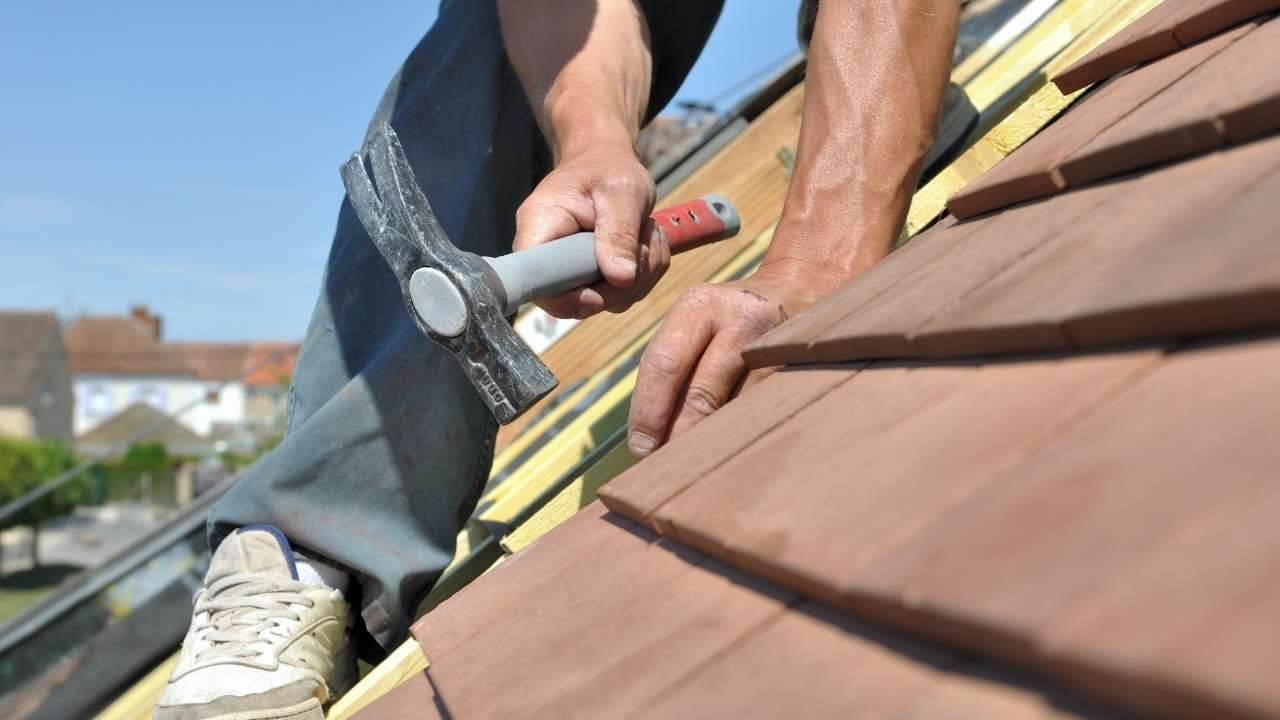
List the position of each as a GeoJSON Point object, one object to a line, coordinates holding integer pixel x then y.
{"type": "Point", "coordinates": [641, 444]}
{"type": "Point", "coordinates": [625, 265]}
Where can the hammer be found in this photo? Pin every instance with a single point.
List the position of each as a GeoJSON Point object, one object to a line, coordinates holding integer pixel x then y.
{"type": "Point", "coordinates": [461, 300]}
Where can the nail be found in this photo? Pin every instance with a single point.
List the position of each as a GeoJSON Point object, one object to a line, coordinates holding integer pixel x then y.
{"type": "Point", "coordinates": [625, 265]}
{"type": "Point", "coordinates": [641, 444]}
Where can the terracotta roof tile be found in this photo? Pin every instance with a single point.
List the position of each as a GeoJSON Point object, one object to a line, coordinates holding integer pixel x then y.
{"type": "Point", "coordinates": [1123, 261]}
{"type": "Point", "coordinates": [596, 619]}
{"type": "Point", "coordinates": [845, 481]}
{"type": "Point", "coordinates": [632, 615]}
{"type": "Point", "coordinates": [270, 363]}
{"type": "Point", "coordinates": [1233, 96]}
{"type": "Point", "coordinates": [1092, 516]}
{"type": "Point", "coordinates": [115, 344]}
{"type": "Point", "coordinates": [1140, 270]}
{"type": "Point", "coordinates": [677, 465]}
{"type": "Point", "coordinates": [1169, 26]}
{"type": "Point", "coordinates": [1147, 38]}
{"type": "Point", "coordinates": [1033, 171]}
{"type": "Point", "coordinates": [217, 362]}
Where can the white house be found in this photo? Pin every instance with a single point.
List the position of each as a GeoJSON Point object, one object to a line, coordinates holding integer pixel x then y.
{"type": "Point", "coordinates": [220, 369]}
{"type": "Point", "coordinates": [117, 361]}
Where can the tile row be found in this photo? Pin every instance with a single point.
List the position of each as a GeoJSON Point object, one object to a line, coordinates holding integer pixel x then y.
{"type": "Point", "coordinates": [1107, 518]}
{"type": "Point", "coordinates": [1166, 28]}
{"type": "Point", "coordinates": [1182, 250]}
{"type": "Point", "coordinates": [1219, 92]}
{"type": "Point", "coordinates": [600, 618]}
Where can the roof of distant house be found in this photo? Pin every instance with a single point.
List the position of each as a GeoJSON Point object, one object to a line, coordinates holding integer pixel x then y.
{"type": "Point", "coordinates": [24, 339]}
{"type": "Point", "coordinates": [270, 363]}
{"type": "Point", "coordinates": [117, 344]}
{"type": "Point", "coordinates": [177, 438]}
{"type": "Point", "coordinates": [219, 362]}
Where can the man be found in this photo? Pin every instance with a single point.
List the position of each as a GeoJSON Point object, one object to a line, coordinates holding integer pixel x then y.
{"type": "Point", "coordinates": [388, 446]}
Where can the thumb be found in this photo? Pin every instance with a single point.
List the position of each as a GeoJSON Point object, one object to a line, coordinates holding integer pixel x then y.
{"type": "Point", "coordinates": [621, 211]}
{"type": "Point", "coordinates": [538, 223]}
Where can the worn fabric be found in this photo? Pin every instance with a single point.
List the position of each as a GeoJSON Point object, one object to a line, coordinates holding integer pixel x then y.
{"type": "Point", "coordinates": [387, 445]}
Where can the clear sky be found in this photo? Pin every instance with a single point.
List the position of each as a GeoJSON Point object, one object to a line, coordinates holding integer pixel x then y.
{"type": "Point", "coordinates": [185, 154]}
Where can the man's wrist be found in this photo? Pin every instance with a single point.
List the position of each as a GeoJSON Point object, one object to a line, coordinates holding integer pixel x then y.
{"type": "Point", "coordinates": [575, 132]}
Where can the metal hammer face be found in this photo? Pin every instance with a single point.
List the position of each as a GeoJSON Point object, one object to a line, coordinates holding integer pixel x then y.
{"type": "Point", "coordinates": [466, 315]}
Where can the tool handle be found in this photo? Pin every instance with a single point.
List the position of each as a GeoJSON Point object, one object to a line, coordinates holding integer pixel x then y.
{"type": "Point", "coordinates": [570, 262]}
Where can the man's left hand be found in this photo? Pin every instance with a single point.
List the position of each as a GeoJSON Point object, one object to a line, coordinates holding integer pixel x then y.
{"type": "Point", "coordinates": [694, 365]}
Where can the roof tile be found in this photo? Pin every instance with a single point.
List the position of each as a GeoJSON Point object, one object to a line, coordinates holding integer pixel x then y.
{"type": "Point", "coordinates": [740, 423]}
{"type": "Point", "coordinates": [1032, 171]}
{"type": "Point", "coordinates": [1187, 118]}
{"type": "Point", "coordinates": [1140, 270]}
{"type": "Point", "coordinates": [1163, 30]}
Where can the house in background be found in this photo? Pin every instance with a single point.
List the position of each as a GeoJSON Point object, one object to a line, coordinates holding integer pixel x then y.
{"type": "Point", "coordinates": [220, 368]}
{"type": "Point", "coordinates": [234, 394]}
{"type": "Point", "coordinates": [268, 373]}
{"type": "Point", "coordinates": [117, 361]}
{"type": "Point", "coordinates": [35, 384]}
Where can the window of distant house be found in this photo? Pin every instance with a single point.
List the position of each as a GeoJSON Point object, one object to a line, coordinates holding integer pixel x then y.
{"type": "Point", "coordinates": [151, 395]}
{"type": "Point", "coordinates": [97, 401]}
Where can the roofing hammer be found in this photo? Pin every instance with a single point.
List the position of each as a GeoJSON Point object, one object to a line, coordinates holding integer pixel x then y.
{"type": "Point", "coordinates": [461, 300]}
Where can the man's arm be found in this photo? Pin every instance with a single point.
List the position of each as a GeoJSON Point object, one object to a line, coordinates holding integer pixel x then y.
{"type": "Point", "coordinates": [876, 77]}
{"type": "Point", "coordinates": [585, 66]}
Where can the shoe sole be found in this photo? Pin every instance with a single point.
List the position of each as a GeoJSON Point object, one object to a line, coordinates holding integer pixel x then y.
{"type": "Point", "coordinates": [306, 710]}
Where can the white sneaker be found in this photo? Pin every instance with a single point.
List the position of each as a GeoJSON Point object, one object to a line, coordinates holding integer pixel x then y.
{"type": "Point", "coordinates": [262, 644]}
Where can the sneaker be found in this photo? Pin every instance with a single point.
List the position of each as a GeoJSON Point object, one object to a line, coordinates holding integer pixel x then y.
{"type": "Point", "coordinates": [263, 645]}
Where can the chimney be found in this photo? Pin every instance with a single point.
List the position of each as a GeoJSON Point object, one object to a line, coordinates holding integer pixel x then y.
{"type": "Point", "coordinates": [143, 316]}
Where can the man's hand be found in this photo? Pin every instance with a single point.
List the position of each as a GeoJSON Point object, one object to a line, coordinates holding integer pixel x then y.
{"type": "Point", "coordinates": [693, 365]}
{"type": "Point", "coordinates": [877, 71]}
{"type": "Point", "coordinates": [605, 189]}
{"type": "Point", "coordinates": [585, 66]}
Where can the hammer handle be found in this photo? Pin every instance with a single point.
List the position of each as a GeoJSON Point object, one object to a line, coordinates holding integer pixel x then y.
{"type": "Point", "coordinates": [570, 262]}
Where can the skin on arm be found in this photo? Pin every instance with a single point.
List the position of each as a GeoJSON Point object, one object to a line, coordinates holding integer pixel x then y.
{"type": "Point", "coordinates": [876, 77]}
{"type": "Point", "coordinates": [586, 67]}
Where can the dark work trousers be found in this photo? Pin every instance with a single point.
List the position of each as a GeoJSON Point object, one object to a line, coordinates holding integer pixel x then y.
{"type": "Point", "coordinates": [387, 445]}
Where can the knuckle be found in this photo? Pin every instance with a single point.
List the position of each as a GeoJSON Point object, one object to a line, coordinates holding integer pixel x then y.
{"type": "Point", "coordinates": [661, 361]}
{"type": "Point", "coordinates": [702, 295]}
{"type": "Point", "coordinates": [701, 400]}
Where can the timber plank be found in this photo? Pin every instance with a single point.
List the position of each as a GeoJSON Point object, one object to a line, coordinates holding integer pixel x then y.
{"type": "Point", "coordinates": [1188, 117]}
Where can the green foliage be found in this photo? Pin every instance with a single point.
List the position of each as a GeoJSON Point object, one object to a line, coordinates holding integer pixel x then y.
{"type": "Point", "coordinates": [27, 464]}
{"type": "Point", "coordinates": [147, 456]}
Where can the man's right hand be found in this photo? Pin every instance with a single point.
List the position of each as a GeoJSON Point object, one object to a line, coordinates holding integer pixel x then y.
{"type": "Point", "coordinates": [604, 188]}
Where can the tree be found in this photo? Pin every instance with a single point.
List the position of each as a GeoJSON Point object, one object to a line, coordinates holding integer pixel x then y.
{"type": "Point", "coordinates": [26, 465]}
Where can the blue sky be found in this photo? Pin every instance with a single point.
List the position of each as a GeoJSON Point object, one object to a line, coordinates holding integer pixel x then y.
{"type": "Point", "coordinates": [185, 155]}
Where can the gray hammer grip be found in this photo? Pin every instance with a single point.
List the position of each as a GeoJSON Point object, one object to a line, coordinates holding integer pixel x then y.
{"type": "Point", "coordinates": [547, 269]}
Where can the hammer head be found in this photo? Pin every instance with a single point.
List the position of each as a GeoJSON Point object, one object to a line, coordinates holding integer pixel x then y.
{"type": "Point", "coordinates": [507, 374]}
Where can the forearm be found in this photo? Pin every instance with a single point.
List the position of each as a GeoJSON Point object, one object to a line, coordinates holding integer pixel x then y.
{"type": "Point", "coordinates": [877, 74]}
{"type": "Point", "coordinates": [585, 67]}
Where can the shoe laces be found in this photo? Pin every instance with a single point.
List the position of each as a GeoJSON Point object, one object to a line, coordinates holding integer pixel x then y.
{"type": "Point", "coordinates": [243, 614]}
